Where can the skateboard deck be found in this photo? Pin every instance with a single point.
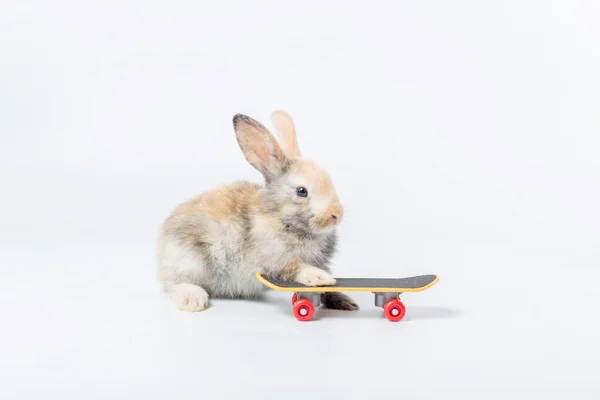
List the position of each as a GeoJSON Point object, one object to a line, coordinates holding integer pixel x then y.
{"type": "Point", "coordinates": [408, 284]}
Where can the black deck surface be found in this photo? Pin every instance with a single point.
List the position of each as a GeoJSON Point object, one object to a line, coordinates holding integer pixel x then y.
{"type": "Point", "coordinates": [412, 282]}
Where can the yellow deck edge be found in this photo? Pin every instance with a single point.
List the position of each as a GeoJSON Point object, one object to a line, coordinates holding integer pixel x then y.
{"type": "Point", "coordinates": [323, 289]}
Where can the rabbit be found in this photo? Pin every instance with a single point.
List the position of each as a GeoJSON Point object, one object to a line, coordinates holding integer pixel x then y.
{"type": "Point", "coordinates": [212, 245]}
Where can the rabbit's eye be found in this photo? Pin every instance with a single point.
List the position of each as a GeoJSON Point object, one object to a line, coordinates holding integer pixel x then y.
{"type": "Point", "coordinates": [301, 191]}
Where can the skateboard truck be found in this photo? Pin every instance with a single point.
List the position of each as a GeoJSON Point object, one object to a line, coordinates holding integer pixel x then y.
{"type": "Point", "coordinates": [382, 298]}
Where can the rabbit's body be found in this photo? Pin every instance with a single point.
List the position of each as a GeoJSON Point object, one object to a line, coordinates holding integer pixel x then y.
{"type": "Point", "coordinates": [213, 245]}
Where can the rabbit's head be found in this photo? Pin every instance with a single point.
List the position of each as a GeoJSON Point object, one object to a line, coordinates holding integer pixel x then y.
{"type": "Point", "coordinates": [297, 191]}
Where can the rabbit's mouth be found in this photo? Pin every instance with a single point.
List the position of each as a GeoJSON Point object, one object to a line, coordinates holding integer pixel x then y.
{"type": "Point", "coordinates": [328, 219]}
{"type": "Point", "coordinates": [325, 221]}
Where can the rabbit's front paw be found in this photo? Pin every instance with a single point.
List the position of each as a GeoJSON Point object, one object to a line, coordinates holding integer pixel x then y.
{"type": "Point", "coordinates": [312, 276]}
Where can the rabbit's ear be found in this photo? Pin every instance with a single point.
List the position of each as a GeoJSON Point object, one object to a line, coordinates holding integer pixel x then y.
{"type": "Point", "coordinates": [287, 133]}
{"type": "Point", "coordinates": [260, 147]}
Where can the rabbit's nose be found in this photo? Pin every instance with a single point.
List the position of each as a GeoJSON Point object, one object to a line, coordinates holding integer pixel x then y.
{"type": "Point", "coordinates": [335, 212]}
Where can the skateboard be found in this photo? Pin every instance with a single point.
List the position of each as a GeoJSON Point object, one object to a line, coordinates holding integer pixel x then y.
{"type": "Point", "coordinates": [387, 292]}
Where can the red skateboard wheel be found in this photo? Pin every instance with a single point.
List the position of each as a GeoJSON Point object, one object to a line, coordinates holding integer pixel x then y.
{"type": "Point", "coordinates": [294, 298]}
{"type": "Point", "coordinates": [394, 310]}
{"type": "Point", "coordinates": [303, 310]}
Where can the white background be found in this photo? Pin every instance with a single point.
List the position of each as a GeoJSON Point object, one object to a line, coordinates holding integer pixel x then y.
{"type": "Point", "coordinates": [462, 136]}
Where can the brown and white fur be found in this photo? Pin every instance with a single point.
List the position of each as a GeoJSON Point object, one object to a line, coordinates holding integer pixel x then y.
{"type": "Point", "coordinates": [212, 245]}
